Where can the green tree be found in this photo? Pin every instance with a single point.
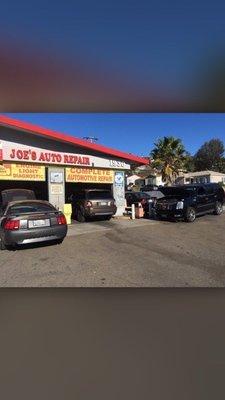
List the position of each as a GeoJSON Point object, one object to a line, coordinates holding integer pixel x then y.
{"type": "Point", "coordinates": [220, 165]}
{"type": "Point", "coordinates": [210, 156]}
{"type": "Point", "coordinates": [169, 157]}
{"type": "Point", "coordinates": [189, 163]}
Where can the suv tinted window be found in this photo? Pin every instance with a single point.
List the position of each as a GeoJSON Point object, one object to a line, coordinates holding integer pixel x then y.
{"type": "Point", "coordinates": [95, 194]}
{"type": "Point", "coordinates": [201, 191]}
{"type": "Point", "coordinates": [210, 189]}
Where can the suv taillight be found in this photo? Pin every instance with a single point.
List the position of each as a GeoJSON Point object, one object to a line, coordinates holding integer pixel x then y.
{"type": "Point", "coordinates": [12, 225]}
{"type": "Point", "coordinates": [61, 219]}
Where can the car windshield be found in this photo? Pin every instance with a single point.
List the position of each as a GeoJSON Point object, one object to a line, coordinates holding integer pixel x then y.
{"type": "Point", "coordinates": [101, 194]}
{"type": "Point", "coordinates": [177, 191]}
{"type": "Point", "coordinates": [30, 207]}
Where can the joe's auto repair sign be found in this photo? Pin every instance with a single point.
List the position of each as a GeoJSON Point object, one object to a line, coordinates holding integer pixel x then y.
{"type": "Point", "coordinates": [89, 175]}
{"type": "Point", "coordinates": [14, 152]}
{"type": "Point", "coordinates": [22, 172]}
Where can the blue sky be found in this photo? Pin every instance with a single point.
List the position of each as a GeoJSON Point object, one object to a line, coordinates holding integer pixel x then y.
{"type": "Point", "coordinates": [134, 133]}
{"type": "Point", "coordinates": [166, 43]}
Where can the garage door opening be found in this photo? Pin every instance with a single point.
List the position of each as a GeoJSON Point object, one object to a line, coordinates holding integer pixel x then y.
{"type": "Point", "coordinates": [40, 188]}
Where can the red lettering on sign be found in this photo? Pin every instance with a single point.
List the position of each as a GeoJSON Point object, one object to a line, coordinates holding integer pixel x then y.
{"type": "Point", "coordinates": [58, 158]}
{"type": "Point", "coordinates": [49, 157]}
{"type": "Point", "coordinates": [25, 155]}
{"type": "Point", "coordinates": [12, 154]}
{"type": "Point", "coordinates": [86, 160]}
{"type": "Point", "coordinates": [42, 157]}
{"type": "Point", "coordinates": [19, 154]}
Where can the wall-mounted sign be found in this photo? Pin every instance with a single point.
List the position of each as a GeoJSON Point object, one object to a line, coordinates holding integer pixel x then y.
{"type": "Point", "coordinates": [15, 152]}
{"type": "Point", "coordinates": [56, 189]}
{"type": "Point", "coordinates": [119, 178]}
{"type": "Point", "coordinates": [22, 172]}
{"type": "Point", "coordinates": [56, 177]}
{"type": "Point", "coordinates": [90, 175]}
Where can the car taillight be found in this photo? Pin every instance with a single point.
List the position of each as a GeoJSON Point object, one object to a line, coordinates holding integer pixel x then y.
{"type": "Point", "coordinates": [12, 225]}
{"type": "Point", "coordinates": [112, 203]}
{"type": "Point", "coordinates": [88, 204]}
{"type": "Point", "coordinates": [61, 219]}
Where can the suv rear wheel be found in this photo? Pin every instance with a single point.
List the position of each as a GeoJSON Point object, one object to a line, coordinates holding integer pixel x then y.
{"type": "Point", "coordinates": [80, 216]}
{"type": "Point", "coordinates": [218, 208]}
{"type": "Point", "coordinates": [190, 215]}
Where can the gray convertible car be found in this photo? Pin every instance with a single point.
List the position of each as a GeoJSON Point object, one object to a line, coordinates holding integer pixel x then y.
{"type": "Point", "coordinates": [24, 220]}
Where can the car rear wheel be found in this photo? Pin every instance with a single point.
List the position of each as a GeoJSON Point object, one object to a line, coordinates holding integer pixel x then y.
{"type": "Point", "coordinates": [108, 217]}
{"type": "Point", "coordinates": [218, 208]}
{"type": "Point", "coordinates": [80, 216]}
{"type": "Point", "coordinates": [2, 245]}
{"type": "Point", "coordinates": [190, 215]}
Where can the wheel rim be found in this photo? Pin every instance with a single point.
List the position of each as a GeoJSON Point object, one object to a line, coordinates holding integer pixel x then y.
{"type": "Point", "coordinates": [191, 215]}
{"type": "Point", "coordinates": [219, 208]}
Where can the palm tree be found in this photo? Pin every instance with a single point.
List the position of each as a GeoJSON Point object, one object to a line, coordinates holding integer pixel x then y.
{"type": "Point", "coordinates": [169, 157]}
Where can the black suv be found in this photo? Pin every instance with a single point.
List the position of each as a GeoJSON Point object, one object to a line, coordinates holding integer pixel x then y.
{"type": "Point", "coordinates": [188, 201]}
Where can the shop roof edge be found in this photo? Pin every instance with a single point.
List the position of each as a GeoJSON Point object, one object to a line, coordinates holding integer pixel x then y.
{"type": "Point", "coordinates": [35, 129]}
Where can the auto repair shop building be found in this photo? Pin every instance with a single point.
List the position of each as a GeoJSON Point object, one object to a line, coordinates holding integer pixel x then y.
{"type": "Point", "coordinates": [56, 165]}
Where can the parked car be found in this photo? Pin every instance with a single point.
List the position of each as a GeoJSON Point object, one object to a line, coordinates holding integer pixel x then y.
{"type": "Point", "coordinates": [27, 220]}
{"type": "Point", "coordinates": [188, 201]}
{"type": "Point", "coordinates": [91, 203]}
{"type": "Point", "coordinates": [148, 188]}
{"type": "Point", "coordinates": [138, 197]}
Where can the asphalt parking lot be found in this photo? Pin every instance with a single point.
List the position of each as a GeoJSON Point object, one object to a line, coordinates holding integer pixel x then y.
{"type": "Point", "coordinates": [124, 253]}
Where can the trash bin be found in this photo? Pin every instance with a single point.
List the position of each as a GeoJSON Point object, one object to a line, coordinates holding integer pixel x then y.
{"type": "Point", "coordinates": [67, 210]}
{"type": "Point", "coordinates": [139, 211]}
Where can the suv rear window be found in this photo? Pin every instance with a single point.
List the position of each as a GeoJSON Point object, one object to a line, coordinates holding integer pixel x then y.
{"type": "Point", "coordinates": [29, 207]}
{"type": "Point", "coordinates": [96, 194]}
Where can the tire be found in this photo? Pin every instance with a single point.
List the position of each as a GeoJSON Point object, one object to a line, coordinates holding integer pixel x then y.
{"type": "Point", "coordinates": [218, 208]}
{"type": "Point", "coordinates": [108, 217]}
{"type": "Point", "coordinates": [2, 245]}
{"type": "Point", "coordinates": [190, 215]}
{"type": "Point", "coordinates": [59, 241]}
{"type": "Point", "coordinates": [80, 216]}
